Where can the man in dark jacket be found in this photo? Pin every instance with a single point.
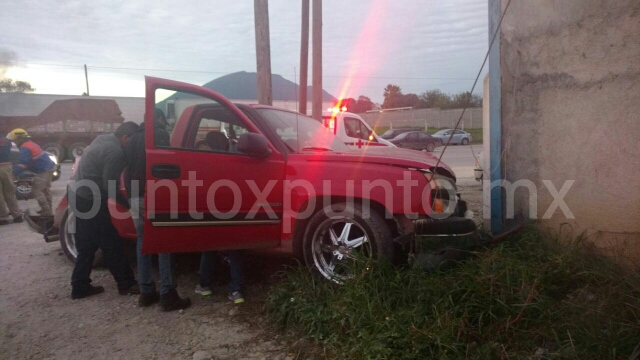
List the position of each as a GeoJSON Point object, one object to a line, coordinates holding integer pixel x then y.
{"type": "Point", "coordinates": [7, 189]}
{"type": "Point", "coordinates": [134, 152]}
{"type": "Point", "coordinates": [98, 171]}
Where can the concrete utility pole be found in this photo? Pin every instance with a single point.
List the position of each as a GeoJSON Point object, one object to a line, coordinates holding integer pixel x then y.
{"type": "Point", "coordinates": [86, 78]}
{"type": "Point", "coordinates": [263, 51]}
{"type": "Point", "coordinates": [316, 106]}
{"type": "Point", "coordinates": [304, 57]}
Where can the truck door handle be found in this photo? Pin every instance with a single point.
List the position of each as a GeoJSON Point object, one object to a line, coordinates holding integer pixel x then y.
{"type": "Point", "coordinates": [165, 171]}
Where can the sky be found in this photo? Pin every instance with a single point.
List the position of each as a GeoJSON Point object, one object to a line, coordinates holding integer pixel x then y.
{"type": "Point", "coordinates": [417, 44]}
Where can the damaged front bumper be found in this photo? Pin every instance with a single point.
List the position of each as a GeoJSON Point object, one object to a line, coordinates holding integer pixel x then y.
{"type": "Point", "coordinates": [434, 243]}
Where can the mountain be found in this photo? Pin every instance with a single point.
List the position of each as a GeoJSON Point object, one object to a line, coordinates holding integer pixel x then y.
{"type": "Point", "coordinates": [242, 85]}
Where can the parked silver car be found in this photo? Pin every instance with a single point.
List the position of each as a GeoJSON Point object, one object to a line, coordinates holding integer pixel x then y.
{"type": "Point", "coordinates": [459, 137]}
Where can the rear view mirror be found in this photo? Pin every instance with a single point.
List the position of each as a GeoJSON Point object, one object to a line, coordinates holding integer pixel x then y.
{"type": "Point", "coordinates": [254, 144]}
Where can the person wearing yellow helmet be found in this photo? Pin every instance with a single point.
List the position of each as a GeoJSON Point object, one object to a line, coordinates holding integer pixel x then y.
{"type": "Point", "coordinates": [34, 159]}
{"type": "Point", "coordinates": [7, 188]}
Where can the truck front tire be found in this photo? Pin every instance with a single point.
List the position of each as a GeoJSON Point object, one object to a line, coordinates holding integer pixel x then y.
{"type": "Point", "coordinates": [340, 233]}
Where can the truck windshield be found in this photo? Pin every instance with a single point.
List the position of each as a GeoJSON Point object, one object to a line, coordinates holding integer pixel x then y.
{"type": "Point", "coordinates": [301, 133]}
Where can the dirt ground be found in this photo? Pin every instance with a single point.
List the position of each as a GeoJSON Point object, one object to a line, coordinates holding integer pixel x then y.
{"type": "Point", "coordinates": [472, 194]}
{"type": "Point", "coordinates": [38, 319]}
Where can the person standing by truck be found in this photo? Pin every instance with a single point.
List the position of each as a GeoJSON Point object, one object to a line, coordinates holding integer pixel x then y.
{"type": "Point", "coordinates": [135, 181]}
{"type": "Point", "coordinates": [205, 284]}
{"type": "Point", "coordinates": [100, 166]}
{"type": "Point", "coordinates": [8, 198]}
{"type": "Point", "coordinates": [33, 158]}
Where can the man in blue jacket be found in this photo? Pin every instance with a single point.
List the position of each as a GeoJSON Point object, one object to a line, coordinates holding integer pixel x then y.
{"type": "Point", "coordinates": [33, 158]}
{"type": "Point", "coordinates": [7, 189]}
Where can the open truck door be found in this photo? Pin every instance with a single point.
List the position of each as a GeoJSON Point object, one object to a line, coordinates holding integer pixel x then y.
{"type": "Point", "coordinates": [214, 182]}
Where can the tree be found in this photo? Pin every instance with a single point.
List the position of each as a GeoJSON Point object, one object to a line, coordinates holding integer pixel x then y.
{"type": "Point", "coordinates": [411, 100]}
{"type": "Point", "coordinates": [362, 105]}
{"type": "Point", "coordinates": [10, 86]}
{"type": "Point", "coordinates": [466, 99]}
{"type": "Point", "coordinates": [435, 99]}
{"type": "Point", "coordinates": [438, 99]}
{"type": "Point", "coordinates": [392, 97]}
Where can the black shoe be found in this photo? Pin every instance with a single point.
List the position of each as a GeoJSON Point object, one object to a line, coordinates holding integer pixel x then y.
{"type": "Point", "coordinates": [171, 301]}
{"type": "Point", "coordinates": [145, 300]}
{"type": "Point", "coordinates": [93, 290]}
{"type": "Point", "coordinates": [131, 290]}
{"type": "Point", "coordinates": [19, 219]}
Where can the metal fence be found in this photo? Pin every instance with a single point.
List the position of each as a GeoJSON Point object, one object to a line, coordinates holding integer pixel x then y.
{"type": "Point", "coordinates": [432, 118]}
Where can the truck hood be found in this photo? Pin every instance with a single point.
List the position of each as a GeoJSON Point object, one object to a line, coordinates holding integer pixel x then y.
{"type": "Point", "coordinates": [390, 156]}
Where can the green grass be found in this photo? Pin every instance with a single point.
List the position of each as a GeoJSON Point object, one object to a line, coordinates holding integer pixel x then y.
{"type": "Point", "coordinates": [476, 134]}
{"type": "Point", "coordinates": [527, 295]}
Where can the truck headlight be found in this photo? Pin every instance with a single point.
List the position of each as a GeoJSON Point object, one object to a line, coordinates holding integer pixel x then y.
{"type": "Point", "coordinates": [443, 196]}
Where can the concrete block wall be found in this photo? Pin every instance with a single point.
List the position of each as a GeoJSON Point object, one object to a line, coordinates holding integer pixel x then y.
{"type": "Point", "coordinates": [570, 111]}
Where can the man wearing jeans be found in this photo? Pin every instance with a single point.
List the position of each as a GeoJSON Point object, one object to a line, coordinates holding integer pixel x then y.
{"type": "Point", "coordinates": [135, 176]}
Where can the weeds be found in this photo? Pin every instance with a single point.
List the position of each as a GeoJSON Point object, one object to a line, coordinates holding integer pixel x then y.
{"type": "Point", "coordinates": [527, 297]}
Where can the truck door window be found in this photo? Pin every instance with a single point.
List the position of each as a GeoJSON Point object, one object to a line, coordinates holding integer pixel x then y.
{"type": "Point", "coordinates": [356, 129]}
{"type": "Point", "coordinates": [198, 123]}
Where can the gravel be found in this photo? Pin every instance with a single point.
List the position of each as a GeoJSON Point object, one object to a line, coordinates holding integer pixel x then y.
{"type": "Point", "coordinates": [38, 319]}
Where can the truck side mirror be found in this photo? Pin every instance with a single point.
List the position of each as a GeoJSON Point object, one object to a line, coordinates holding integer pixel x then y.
{"type": "Point", "coordinates": [254, 144]}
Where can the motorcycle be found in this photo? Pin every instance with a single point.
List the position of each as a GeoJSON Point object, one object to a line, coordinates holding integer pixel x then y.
{"type": "Point", "coordinates": [24, 182]}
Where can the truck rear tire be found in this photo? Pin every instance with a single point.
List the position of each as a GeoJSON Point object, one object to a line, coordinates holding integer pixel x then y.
{"type": "Point", "coordinates": [76, 150]}
{"type": "Point", "coordinates": [56, 149]}
{"type": "Point", "coordinates": [68, 241]}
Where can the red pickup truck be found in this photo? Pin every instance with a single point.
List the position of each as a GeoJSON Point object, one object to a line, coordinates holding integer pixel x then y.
{"type": "Point", "coordinates": [258, 177]}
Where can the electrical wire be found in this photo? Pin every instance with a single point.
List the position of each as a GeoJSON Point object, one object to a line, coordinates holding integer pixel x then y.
{"type": "Point", "coordinates": [224, 73]}
{"type": "Point", "coordinates": [475, 82]}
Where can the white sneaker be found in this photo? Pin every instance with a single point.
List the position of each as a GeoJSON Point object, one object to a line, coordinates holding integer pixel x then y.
{"type": "Point", "coordinates": [204, 291]}
{"type": "Point", "coordinates": [236, 297]}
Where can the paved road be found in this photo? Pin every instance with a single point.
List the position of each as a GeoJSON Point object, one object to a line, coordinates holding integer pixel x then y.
{"type": "Point", "coordinates": [460, 158]}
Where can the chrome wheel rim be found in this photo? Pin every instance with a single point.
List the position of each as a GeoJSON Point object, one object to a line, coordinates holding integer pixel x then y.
{"type": "Point", "coordinates": [23, 189]}
{"type": "Point", "coordinates": [336, 243]}
{"type": "Point", "coordinates": [69, 237]}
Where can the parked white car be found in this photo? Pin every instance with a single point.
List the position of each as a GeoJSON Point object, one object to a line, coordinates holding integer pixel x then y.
{"type": "Point", "coordinates": [459, 137]}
